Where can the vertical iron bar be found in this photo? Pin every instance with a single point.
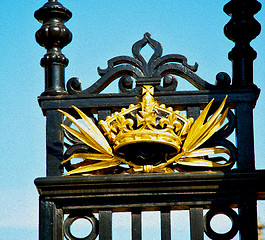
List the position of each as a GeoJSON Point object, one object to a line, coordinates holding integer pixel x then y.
{"type": "Point", "coordinates": [45, 221]}
{"type": "Point", "coordinates": [136, 224]}
{"type": "Point", "coordinates": [102, 114]}
{"type": "Point", "coordinates": [196, 214]}
{"type": "Point", "coordinates": [246, 162]}
{"type": "Point", "coordinates": [241, 29]}
{"type": "Point", "coordinates": [105, 225]}
{"type": "Point", "coordinates": [54, 142]}
{"type": "Point", "coordinates": [59, 224]}
{"type": "Point", "coordinates": [245, 137]}
{"type": "Point", "coordinates": [193, 112]}
{"type": "Point", "coordinates": [51, 221]}
{"type": "Point", "coordinates": [196, 224]}
{"type": "Point", "coordinates": [165, 224]}
{"type": "Point", "coordinates": [248, 226]}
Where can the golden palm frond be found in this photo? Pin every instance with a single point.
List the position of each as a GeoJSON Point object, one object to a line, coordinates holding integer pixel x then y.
{"type": "Point", "coordinates": [95, 166]}
{"type": "Point", "coordinates": [94, 131]}
{"type": "Point", "coordinates": [89, 135]}
{"type": "Point", "coordinates": [206, 151]}
{"type": "Point", "coordinates": [198, 134]}
{"type": "Point", "coordinates": [90, 156]}
{"type": "Point", "coordinates": [190, 155]}
{"type": "Point", "coordinates": [195, 158]}
{"type": "Point", "coordinates": [198, 162]}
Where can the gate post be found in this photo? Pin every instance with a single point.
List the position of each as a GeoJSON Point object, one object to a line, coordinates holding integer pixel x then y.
{"type": "Point", "coordinates": [53, 35]}
{"type": "Point", "coordinates": [241, 29]}
{"type": "Point", "coordinates": [51, 221]}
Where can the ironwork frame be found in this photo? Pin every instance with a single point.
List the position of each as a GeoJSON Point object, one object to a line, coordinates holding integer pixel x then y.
{"type": "Point", "coordinates": [81, 196]}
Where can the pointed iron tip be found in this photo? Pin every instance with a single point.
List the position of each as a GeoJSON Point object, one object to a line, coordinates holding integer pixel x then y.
{"type": "Point", "coordinates": [147, 34]}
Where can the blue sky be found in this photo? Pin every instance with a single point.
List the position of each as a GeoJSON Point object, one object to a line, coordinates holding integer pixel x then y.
{"type": "Point", "coordinates": [101, 30]}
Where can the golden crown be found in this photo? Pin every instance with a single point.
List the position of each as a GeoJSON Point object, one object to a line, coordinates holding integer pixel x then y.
{"type": "Point", "coordinates": [148, 137]}
{"type": "Point", "coordinates": [146, 122]}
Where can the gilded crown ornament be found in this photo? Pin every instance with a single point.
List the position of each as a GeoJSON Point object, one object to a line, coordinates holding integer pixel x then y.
{"type": "Point", "coordinates": [147, 138]}
{"type": "Point", "coordinates": [149, 124]}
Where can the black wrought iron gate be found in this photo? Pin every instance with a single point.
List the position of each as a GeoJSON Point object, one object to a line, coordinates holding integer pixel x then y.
{"type": "Point", "coordinates": [63, 199]}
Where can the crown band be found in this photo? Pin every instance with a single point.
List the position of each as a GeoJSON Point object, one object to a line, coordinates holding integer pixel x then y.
{"type": "Point", "coordinates": [146, 122]}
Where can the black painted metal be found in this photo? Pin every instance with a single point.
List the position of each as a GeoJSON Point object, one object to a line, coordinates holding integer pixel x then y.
{"type": "Point", "coordinates": [54, 143]}
{"type": "Point", "coordinates": [72, 218]}
{"type": "Point", "coordinates": [241, 29]}
{"type": "Point", "coordinates": [51, 220]}
{"type": "Point", "coordinates": [81, 196]}
{"type": "Point", "coordinates": [105, 224]}
{"type": "Point", "coordinates": [136, 224]}
{"type": "Point", "coordinates": [225, 211]}
{"type": "Point", "coordinates": [165, 224]}
{"type": "Point", "coordinates": [53, 35]}
{"type": "Point", "coordinates": [177, 190]}
{"type": "Point", "coordinates": [196, 223]}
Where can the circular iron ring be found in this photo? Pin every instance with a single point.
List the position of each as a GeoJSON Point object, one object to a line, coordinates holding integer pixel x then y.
{"type": "Point", "coordinates": [70, 220]}
{"type": "Point", "coordinates": [221, 236]}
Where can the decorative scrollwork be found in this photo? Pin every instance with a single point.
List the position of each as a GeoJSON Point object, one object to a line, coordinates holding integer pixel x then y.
{"type": "Point", "coordinates": [229, 146]}
{"type": "Point", "coordinates": [126, 85]}
{"type": "Point", "coordinates": [73, 85]}
{"type": "Point", "coordinates": [230, 213]}
{"type": "Point", "coordinates": [74, 149]}
{"type": "Point", "coordinates": [146, 72]}
{"type": "Point", "coordinates": [223, 80]}
{"type": "Point", "coordinates": [228, 128]}
{"type": "Point", "coordinates": [218, 139]}
{"type": "Point", "coordinates": [149, 137]}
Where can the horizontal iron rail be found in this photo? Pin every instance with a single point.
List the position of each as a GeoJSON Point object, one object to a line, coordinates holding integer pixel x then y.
{"type": "Point", "coordinates": [173, 99]}
{"type": "Point", "coordinates": [152, 191]}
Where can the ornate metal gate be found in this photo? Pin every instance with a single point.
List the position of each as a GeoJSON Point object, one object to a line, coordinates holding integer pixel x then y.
{"type": "Point", "coordinates": [152, 157]}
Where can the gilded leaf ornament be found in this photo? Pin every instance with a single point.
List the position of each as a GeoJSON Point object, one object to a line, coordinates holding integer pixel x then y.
{"type": "Point", "coordinates": [148, 138]}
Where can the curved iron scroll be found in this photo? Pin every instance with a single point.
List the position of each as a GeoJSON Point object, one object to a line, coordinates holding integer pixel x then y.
{"type": "Point", "coordinates": [145, 73]}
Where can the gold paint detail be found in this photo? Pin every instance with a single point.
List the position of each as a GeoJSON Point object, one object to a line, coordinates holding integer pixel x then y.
{"type": "Point", "coordinates": [146, 122]}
